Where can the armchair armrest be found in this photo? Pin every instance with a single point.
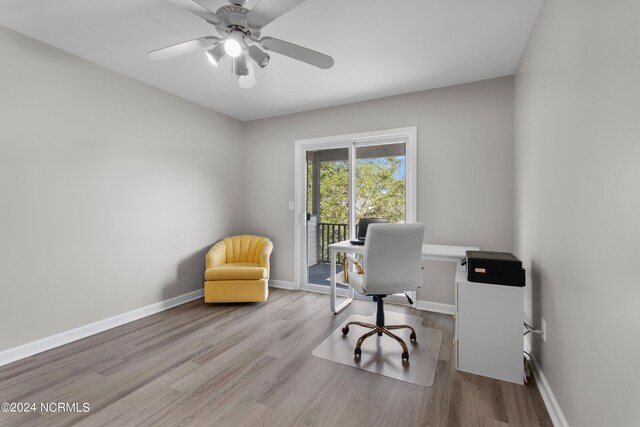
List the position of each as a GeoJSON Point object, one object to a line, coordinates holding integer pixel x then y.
{"type": "Point", "coordinates": [265, 254]}
{"type": "Point", "coordinates": [217, 255]}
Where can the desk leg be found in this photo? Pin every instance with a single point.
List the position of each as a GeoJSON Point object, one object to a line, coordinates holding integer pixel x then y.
{"type": "Point", "coordinates": [332, 291]}
{"type": "Point", "coordinates": [335, 309]}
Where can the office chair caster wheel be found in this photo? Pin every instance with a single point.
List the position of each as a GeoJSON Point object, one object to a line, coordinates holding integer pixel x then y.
{"type": "Point", "coordinates": [345, 330]}
{"type": "Point", "coordinates": [413, 337]}
{"type": "Point", "coordinates": [405, 356]}
{"type": "Point", "coordinates": [357, 352]}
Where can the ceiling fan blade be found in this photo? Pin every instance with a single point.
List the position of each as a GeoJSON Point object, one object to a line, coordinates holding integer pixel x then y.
{"type": "Point", "coordinates": [211, 5]}
{"type": "Point", "coordinates": [300, 53]}
{"type": "Point", "coordinates": [251, 4]}
{"type": "Point", "coordinates": [203, 13]}
{"type": "Point", "coordinates": [182, 48]}
{"type": "Point", "coordinates": [248, 81]}
{"type": "Point", "coordinates": [214, 5]}
{"type": "Point", "coordinates": [268, 10]}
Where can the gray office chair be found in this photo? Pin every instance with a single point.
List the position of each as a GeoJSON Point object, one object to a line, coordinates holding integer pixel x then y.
{"type": "Point", "coordinates": [391, 264]}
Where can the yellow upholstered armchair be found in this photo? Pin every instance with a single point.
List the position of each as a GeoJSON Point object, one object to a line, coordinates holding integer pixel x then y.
{"type": "Point", "coordinates": [237, 270]}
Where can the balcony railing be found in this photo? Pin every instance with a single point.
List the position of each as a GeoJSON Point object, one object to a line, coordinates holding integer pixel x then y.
{"type": "Point", "coordinates": [329, 233]}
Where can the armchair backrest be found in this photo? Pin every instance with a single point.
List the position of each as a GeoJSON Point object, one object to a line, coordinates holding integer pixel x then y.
{"type": "Point", "coordinates": [246, 248]}
{"type": "Point", "coordinates": [392, 258]}
{"type": "Point", "coordinates": [242, 248]}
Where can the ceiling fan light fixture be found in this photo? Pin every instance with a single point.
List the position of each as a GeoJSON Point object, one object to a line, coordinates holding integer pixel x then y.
{"type": "Point", "coordinates": [261, 57]}
{"type": "Point", "coordinates": [240, 67]}
{"type": "Point", "coordinates": [217, 54]}
{"type": "Point", "coordinates": [233, 45]}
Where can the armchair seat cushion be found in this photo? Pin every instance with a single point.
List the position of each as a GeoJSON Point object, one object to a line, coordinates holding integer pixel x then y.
{"type": "Point", "coordinates": [236, 271]}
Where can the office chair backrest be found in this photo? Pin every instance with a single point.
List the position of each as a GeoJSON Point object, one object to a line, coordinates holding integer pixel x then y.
{"type": "Point", "coordinates": [392, 258]}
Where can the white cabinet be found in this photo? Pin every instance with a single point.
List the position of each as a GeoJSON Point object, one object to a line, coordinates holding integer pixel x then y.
{"type": "Point", "coordinates": [489, 329]}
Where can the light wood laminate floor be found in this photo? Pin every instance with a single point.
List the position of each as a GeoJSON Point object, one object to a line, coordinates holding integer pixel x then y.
{"type": "Point", "coordinates": [247, 365]}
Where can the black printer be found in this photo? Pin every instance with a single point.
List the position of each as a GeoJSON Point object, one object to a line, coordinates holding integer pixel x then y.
{"type": "Point", "coordinates": [500, 268]}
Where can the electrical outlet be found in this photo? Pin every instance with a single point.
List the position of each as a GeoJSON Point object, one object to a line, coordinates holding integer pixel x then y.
{"type": "Point", "coordinates": [544, 330]}
{"type": "Point", "coordinates": [291, 206]}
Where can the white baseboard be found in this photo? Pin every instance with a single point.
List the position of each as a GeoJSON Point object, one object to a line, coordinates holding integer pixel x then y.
{"type": "Point", "coordinates": [281, 284]}
{"type": "Point", "coordinates": [435, 307]}
{"type": "Point", "coordinates": [47, 343]}
{"type": "Point", "coordinates": [549, 399]}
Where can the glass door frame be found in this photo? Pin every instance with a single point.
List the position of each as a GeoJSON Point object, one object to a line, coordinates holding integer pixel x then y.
{"type": "Point", "coordinates": [407, 135]}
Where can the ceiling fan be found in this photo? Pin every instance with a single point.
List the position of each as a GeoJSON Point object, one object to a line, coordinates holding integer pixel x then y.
{"type": "Point", "coordinates": [239, 24]}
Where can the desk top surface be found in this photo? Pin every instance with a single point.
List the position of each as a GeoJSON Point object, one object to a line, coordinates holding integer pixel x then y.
{"type": "Point", "coordinates": [431, 252]}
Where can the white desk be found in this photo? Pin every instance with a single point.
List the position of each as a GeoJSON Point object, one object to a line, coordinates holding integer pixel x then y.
{"type": "Point", "coordinates": [429, 252]}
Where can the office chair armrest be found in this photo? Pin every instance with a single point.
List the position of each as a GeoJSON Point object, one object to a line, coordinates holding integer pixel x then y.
{"type": "Point", "coordinates": [353, 259]}
{"type": "Point", "coordinates": [355, 262]}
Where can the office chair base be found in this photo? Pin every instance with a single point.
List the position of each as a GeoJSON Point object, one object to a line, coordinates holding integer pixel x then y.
{"type": "Point", "coordinates": [381, 330]}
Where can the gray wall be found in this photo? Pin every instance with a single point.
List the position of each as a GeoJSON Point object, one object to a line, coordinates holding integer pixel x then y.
{"type": "Point", "coordinates": [110, 191]}
{"type": "Point", "coordinates": [465, 169]}
{"type": "Point", "coordinates": [578, 203]}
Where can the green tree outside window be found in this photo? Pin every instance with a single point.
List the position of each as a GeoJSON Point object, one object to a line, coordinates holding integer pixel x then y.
{"type": "Point", "coordinates": [380, 190]}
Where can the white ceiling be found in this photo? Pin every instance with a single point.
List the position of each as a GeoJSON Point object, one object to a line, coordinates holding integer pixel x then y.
{"type": "Point", "coordinates": [380, 47]}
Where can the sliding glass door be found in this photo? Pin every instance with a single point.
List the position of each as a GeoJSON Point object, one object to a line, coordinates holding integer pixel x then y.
{"type": "Point", "coordinates": [380, 181]}
{"type": "Point", "coordinates": [327, 200]}
{"type": "Point", "coordinates": [343, 182]}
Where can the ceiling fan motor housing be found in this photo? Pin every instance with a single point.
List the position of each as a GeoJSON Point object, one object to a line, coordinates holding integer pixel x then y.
{"type": "Point", "coordinates": [233, 16]}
